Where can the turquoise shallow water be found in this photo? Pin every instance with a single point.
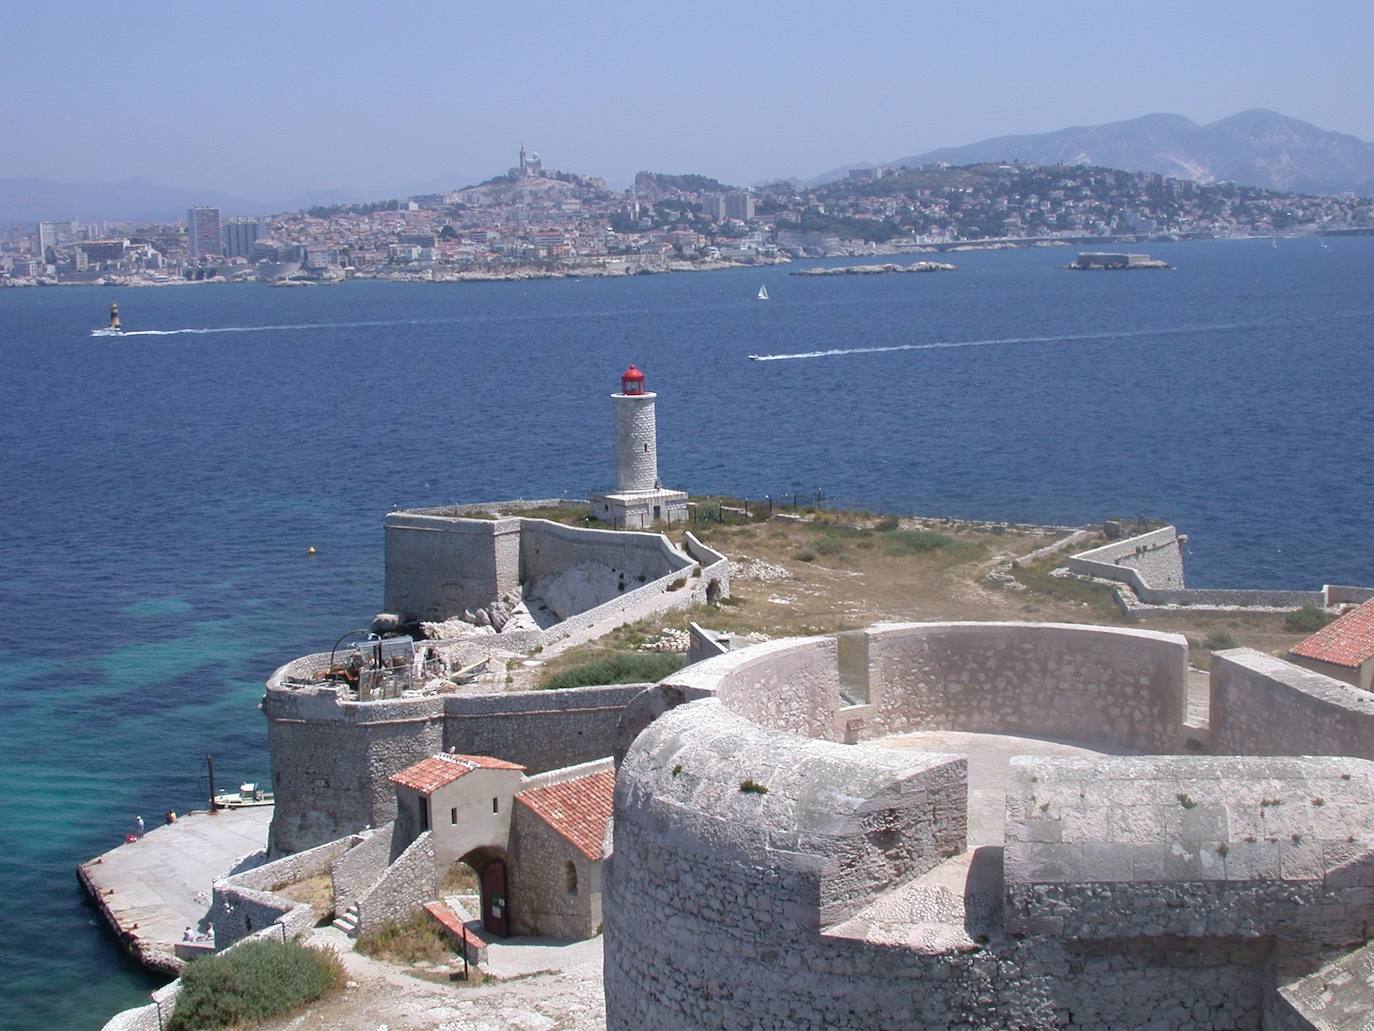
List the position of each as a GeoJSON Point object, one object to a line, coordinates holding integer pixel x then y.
{"type": "Point", "coordinates": [159, 491]}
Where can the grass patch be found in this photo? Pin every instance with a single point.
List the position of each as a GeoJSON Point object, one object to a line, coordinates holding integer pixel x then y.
{"type": "Point", "coordinates": [1099, 598]}
{"type": "Point", "coordinates": [887, 524]}
{"type": "Point", "coordinates": [617, 668]}
{"type": "Point", "coordinates": [921, 542]}
{"type": "Point", "coordinates": [753, 787]}
{"type": "Point", "coordinates": [1306, 620]}
{"type": "Point", "coordinates": [418, 938]}
{"type": "Point", "coordinates": [829, 546]}
{"type": "Point", "coordinates": [805, 555]}
{"type": "Point", "coordinates": [257, 980]}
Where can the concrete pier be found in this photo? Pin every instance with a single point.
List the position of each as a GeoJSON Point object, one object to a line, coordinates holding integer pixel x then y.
{"type": "Point", "coordinates": [152, 889]}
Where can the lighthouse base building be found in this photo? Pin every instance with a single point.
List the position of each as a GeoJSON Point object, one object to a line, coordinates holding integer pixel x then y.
{"type": "Point", "coordinates": [638, 500]}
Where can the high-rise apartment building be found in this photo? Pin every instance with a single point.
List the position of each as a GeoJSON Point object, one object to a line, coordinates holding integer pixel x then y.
{"type": "Point", "coordinates": [205, 233]}
{"type": "Point", "coordinates": [239, 236]}
{"type": "Point", "coordinates": [739, 204]}
{"type": "Point", "coordinates": [50, 234]}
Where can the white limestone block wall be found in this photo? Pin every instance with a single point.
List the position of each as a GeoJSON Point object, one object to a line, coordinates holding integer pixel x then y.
{"type": "Point", "coordinates": [1262, 705]}
{"type": "Point", "coordinates": [636, 442]}
{"type": "Point", "coordinates": [1094, 685]}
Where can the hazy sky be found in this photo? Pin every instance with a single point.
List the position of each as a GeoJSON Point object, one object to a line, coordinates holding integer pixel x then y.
{"type": "Point", "coordinates": [382, 97]}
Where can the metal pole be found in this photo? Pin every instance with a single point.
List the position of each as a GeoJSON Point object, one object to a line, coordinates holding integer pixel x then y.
{"type": "Point", "coordinates": [210, 762]}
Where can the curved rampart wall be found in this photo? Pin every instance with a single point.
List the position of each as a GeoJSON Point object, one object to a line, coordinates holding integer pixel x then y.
{"type": "Point", "coordinates": [718, 899]}
{"type": "Point", "coordinates": [1262, 705]}
{"type": "Point", "coordinates": [331, 759]}
{"type": "Point", "coordinates": [548, 548]}
{"type": "Point", "coordinates": [1095, 685]}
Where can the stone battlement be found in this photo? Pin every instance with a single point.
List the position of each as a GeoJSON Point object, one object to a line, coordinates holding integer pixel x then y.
{"type": "Point", "coordinates": [808, 878]}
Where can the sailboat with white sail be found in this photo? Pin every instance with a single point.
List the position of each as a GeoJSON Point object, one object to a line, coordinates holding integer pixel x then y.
{"type": "Point", "coordinates": [763, 293]}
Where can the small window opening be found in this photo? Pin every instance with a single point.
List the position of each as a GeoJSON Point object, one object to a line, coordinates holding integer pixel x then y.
{"type": "Point", "coordinates": [453, 815]}
{"type": "Point", "coordinates": [495, 805]}
{"type": "Point", "coordinates": [646, 449]}
{"type": "Point", "coordinates": [570, 875]}
{"type": "Point", "coordinates": [424, 814]}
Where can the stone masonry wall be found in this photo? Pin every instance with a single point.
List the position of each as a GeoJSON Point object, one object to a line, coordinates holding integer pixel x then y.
{"type": "Point", "coordinates": [1157, 557]}
{"type": "Point", "coordinates": [717, 901]}
{"type": "Point", "coordinates": [1151, 565]}
{"type": "Point", "coordinates": [541, 902]}
{"type": "Point", "coordinates": [331, 758]}
{"type": "Point", "coordinates": [438, 566]}
{"type": "Point", "coordinates": [1261, 705]}
{"type": "Point", "coordinates": [1095, 685]}
{"type": "Point", "coordinates": [548, 548]}
{"type": "Point", "coordinates": [358, 869]}
{"type": "Point", "coordinates": [408, 883]}
{"type": "Point", "coordinates": [246, 903]}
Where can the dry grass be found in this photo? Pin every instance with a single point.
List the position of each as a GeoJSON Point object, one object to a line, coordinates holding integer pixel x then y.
{"type": "Point", "coordinates": [417, 939]}
{"type": "Point", "coordinates": [318, 891]}
{"type": "Point", "coordinates": [846, 573]}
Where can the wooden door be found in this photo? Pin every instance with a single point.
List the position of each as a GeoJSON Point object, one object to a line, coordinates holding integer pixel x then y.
{"type": "Point", "coordinates": [495, 904]}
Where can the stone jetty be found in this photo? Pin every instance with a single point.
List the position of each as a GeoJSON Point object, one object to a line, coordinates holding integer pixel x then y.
{"type": "Point", "coordinates": [877, 270]}
{"type": "Point", "coordinates": [150, 890]}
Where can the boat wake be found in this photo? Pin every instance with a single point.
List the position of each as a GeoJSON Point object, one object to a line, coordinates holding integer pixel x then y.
{"type": "Point", "coordinates": [200, 331]}
{"type": "Point", "coordinates": [1062, 338]}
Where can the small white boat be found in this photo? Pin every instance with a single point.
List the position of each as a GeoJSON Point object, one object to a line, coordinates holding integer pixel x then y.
{"type": "Point", "coordinates": [763, 293]}
{"type": "Point", "coordinates": [247, 795]}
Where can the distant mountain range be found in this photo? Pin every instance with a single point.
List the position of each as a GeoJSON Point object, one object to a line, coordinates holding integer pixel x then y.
{"type": "Point", "coordinates": [30, 200]}
{"type": "Point", "coordinates": [1254, 148]}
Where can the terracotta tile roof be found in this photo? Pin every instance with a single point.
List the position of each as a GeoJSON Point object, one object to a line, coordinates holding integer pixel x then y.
{"type": "Point", "coordinates": [428, 775]}
{"type": "Point", "coordinates": [1348, 641]}
{"type": "Point", "coordinates": [579, 810]}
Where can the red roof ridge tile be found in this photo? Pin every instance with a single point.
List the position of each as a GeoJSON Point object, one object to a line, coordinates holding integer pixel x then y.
{"type": "Point", "coordinates": [1348, 642]}
{"type": "Point", "coordinates": [579, 809]}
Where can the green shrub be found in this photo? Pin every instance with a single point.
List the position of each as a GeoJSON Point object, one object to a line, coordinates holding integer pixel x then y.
{"type": "Point", "coordinates": [887, 524]}
{"type": "Point", "coordinates": [753, 787]}
{"type": "Point", "coordinates": [805, 556]}
{"type": "Point", "coordinates": [621, 668]}
{"type": "Point", "coordinates": [257, 980]}
{"type": "Point", "coordinates": [1306, 620]}
{"type": "Point", "coordinates": [1220, 640]}
{"type": "Point", "coordinates": [828, 546]}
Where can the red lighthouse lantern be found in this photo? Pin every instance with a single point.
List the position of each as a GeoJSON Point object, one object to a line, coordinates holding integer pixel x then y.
{"type": "Point", "coordinates": [632, 381]}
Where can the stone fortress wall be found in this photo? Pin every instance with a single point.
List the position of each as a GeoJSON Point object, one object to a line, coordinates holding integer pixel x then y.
{"type": "Point", "coordinates": [331, 756]}
{"type": "Point", "coordinates": [1150, 567]}
{"type": "Point", "coordinates": [1165, 891]}
{"type": "Point", "coordinates": [441, 562]}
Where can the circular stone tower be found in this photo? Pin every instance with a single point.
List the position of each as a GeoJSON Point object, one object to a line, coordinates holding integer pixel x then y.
{"type": "Point", "coordinates": [636, 435]}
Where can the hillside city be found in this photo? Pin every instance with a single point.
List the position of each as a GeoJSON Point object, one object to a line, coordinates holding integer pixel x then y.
{"type": "Point", "coordinates": [534, 222]}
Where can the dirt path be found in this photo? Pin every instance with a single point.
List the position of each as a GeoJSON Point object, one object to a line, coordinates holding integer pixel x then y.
{"type": "Point", "coordinates": [383, 997]}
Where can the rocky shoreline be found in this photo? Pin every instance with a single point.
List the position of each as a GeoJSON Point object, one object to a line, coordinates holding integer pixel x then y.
{"type": "Point", "coordinates": [518, 274]}
{"type": "Point", "coordinates": [877, 270]}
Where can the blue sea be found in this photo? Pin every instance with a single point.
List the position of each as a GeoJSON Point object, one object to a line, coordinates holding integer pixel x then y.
{"type": "Point", "coordinates": [158, 491]}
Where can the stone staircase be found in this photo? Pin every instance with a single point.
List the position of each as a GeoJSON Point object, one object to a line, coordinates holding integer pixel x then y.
{"type": "Point", "coordinates": [347, 921]}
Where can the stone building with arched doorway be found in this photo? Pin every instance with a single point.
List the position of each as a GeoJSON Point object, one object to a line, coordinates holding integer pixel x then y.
{"type": "Point", "coordinates": [535, 843]}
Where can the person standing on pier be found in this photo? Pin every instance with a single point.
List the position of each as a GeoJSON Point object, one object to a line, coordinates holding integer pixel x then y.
{"type": "Point", "coordinates": [138, 822]}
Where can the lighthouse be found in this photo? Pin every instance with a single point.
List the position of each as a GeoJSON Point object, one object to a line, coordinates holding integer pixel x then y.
{"type": "Point", "coordinates": [638, 500]}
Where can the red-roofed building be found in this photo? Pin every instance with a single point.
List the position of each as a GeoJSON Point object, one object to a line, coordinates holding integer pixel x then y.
{"type": "Point", "coordinates": [1343, 649]}
{"type": "Point", "coordinates": [465, 800]}
{"type": "Point", "coordinates": [536, 843]}
{"type": "Point", "coordinates": [559, 836]}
